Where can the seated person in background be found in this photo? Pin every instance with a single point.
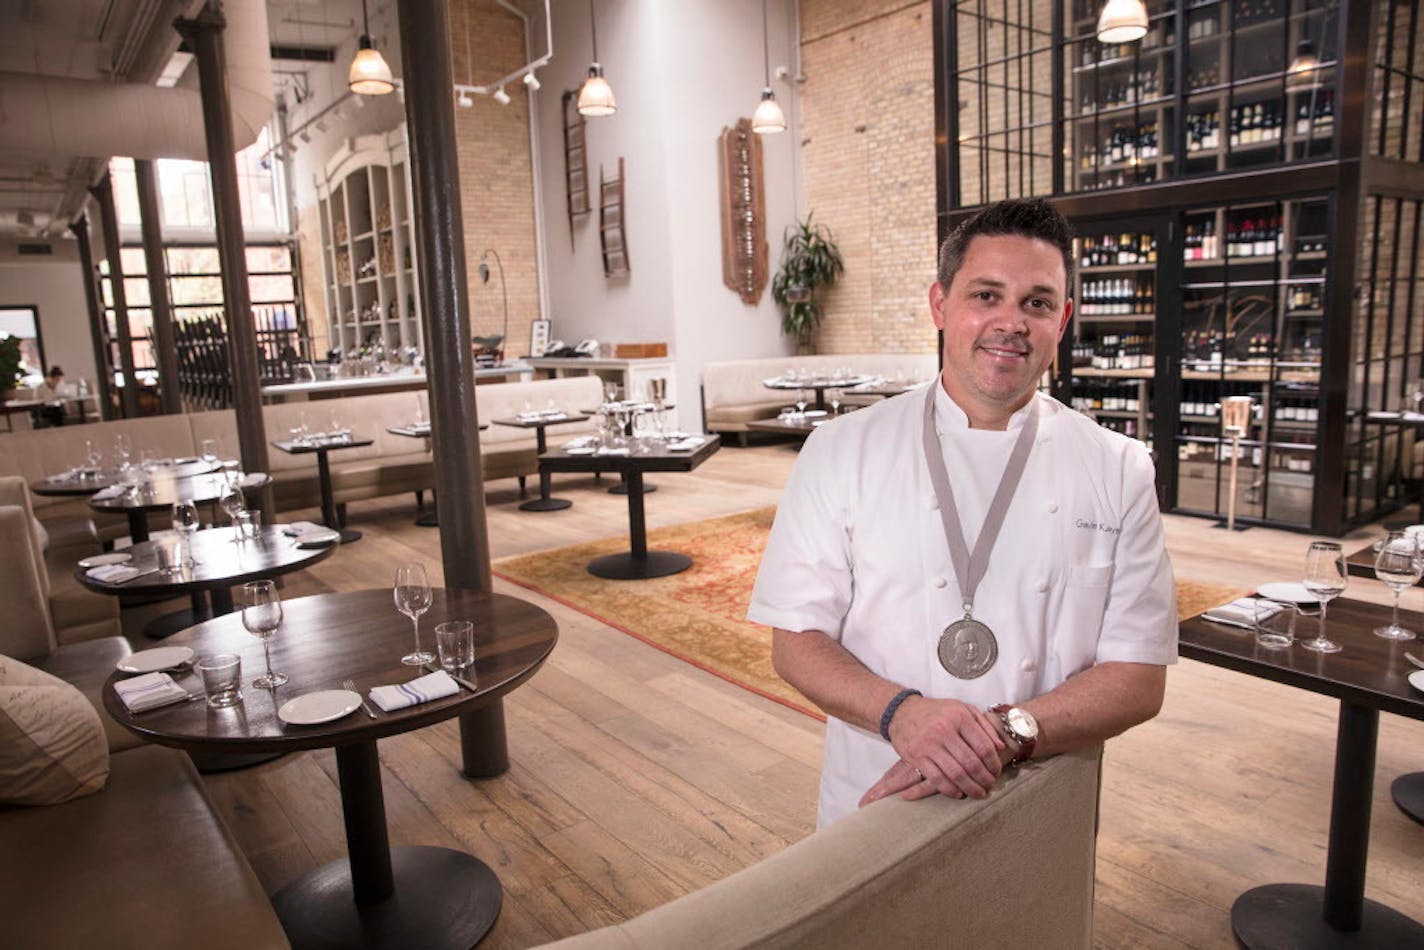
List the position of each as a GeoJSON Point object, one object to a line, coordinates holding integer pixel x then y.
{"type": "Point", "coordinates": [51, 393]}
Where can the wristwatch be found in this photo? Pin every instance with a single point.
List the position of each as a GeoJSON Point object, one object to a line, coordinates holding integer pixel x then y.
{"type": "Point", "coordinates": [1021, 727]}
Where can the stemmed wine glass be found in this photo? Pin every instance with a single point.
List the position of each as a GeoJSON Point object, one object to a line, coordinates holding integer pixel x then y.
{"type": "Point", "coordinates": [262, 615]}
{"type": "Point", "coordinates": [93, 455]}
{"type": "Point", "coordinates": [412, 593]}
{"type": "Point", "coordinates": [1325, 577]}
{"type": "Point", "coordinates": [232, 501]}
{"type": "Point", "coordinates": [835, 395]}
{"type": "Point", "coordinates": [122, 451]}
{"type": "Point", "coordinates": [185, 522]}
{"type": "Point", "coordinates": [1398, 566]}
{"type": "Point", "coordinates": [208, 450]}
{"type": "Point", "coordinates": [801, 402]}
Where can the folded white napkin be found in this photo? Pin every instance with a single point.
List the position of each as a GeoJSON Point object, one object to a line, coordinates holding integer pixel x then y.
{"type": "Point", "coordinates": [299, 527]}
{"type": "Point", "coordinates": [554, 414]}
{"type": "Point", "coordinates": [684, 445]}
{"type": "Point", "coordinates": [113, 491]}
{"type": "Point", "coordinates": [580, 441]}
{"type": "Point", "coordinates": [149, 691]}
{"type": "Point", "coordinates": [252, 479]}
{"type": "Point", "coordinates": [1239, 613]}
{"type": "Point", "coordinates": [118, 573]}
{"type": "Point", "coordinates": [435, 685]}
{"type": "Point", "coordinates": [610, 450]}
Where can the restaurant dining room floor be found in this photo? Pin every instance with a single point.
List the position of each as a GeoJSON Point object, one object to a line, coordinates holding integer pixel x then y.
{"type": "Point", "coordinates": [636, 777]}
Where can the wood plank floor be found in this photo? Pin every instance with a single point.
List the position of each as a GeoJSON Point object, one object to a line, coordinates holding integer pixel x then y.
{"type": "Point", "coordinates": [636, 778]}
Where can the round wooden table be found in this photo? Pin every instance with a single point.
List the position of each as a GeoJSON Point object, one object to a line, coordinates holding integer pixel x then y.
{"type": "Point", "coordinates": [163, 492]}
{"type": "Point", "coordinates": [220, 563]}
{"type": "Point", "coordinates": [379, 896]}
{"type": "Point", "coordinates": [89, 481]}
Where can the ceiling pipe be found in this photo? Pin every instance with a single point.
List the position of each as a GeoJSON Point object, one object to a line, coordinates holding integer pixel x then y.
{"type": "Point", "coordinates": [60, 116]}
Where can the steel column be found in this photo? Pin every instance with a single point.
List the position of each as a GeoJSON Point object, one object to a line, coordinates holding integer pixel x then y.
{"type": "Point", "coordinates": [165, 349]}
{"type": "Point", "coordinates": [204, 34]}
{"type": "Point", "coordinates": [444, 294]}
{"type": "Point", "coordinates": [103, 375]}
{"type": "Point", "coordinates": [103, 192]}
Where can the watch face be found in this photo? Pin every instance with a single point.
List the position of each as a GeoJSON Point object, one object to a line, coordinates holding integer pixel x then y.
{"type": "Point", "coordinates": [1022, 723]}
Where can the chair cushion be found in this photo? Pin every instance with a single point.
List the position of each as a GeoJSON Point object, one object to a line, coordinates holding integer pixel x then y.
{"type": "Point", "coordinates": [86, 666]}
{"type": "Point", "coordinates": [74, 607]}
{"type": "Point", "coordinates": [52, 744]}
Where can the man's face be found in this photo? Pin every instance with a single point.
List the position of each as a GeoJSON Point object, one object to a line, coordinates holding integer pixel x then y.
{"type": "Point", "coordinates": [1002, 318]}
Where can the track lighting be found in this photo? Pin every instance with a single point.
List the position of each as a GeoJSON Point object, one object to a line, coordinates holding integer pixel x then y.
{"type": "Point", "coordinates": [501, 96]}
{"type": "Point", "coordinates": [532, 81]}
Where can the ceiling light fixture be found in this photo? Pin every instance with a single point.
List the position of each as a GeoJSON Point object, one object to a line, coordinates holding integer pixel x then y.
{"type": "Point", "coordinates": [595, 96]}
{"type": "Point", "coordinates": [370, 75]}
{"type": "Point", "coordinates": [1122, 21]}
{"type": "Point", "coordinates": [1303, 69]}
{"type": "Point", "coordinates": [532, 81]}
{"type": "Point", "coordinates": [768, 117]}
{"type": "Point", "coordinates": [501, 96]}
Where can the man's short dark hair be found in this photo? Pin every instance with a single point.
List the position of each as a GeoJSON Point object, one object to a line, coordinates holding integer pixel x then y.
{"type": "Point", "coordinates": [1025, 217]}
{"type": "Point", "coordinates": [55, 371]}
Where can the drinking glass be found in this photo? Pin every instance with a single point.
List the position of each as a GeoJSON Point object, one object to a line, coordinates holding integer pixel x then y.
{"type": "Point", "coordinates": [455, 642]}
{"type": "Point", "coordinates": [232, 501]}
{"type": "Point", "coordinates": [835, 395]}
{"type": "Point", "coordinates": [412, 593]}
{"type": "Point", "coordinates": [222, 678]}
{"type": "Point", "coordinates": [1325, 577]}
{"type": "Point", "coordinates": [262, 615]}
{"type": "Point", "coordinates": [122, 450]}
{"type": "Point", "coordinates": [1275, 623]}
{"type": "Point", "coordinates": [186, 523]}
{"type": "Point", "coordinates": [801, 402]}
{"type": "Point", "coordinates": [93, 454]}
{"type": "Point", "coordinates": [611, 391]}
{"type": "Point", "coordinates": [208, 450]}
{"type": "Point", "coordinates": [1398, 566]}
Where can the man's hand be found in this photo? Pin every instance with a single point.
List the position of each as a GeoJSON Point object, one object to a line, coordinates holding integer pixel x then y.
{"type": "Point", "coordinates": [946, 747]}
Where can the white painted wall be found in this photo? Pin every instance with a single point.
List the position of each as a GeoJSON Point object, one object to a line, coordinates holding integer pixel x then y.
{"type": "Point", "coordinates": [56, 288]}
{"type": "Point", "coordinates": [681, 73]}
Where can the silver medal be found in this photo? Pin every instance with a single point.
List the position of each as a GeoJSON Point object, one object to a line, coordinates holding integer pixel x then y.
{"type": "Point", "coordinates": [967, 649]}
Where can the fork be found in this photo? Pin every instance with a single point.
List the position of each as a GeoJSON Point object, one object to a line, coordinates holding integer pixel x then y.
{"type": "Point", "coordinates": [351, 685]}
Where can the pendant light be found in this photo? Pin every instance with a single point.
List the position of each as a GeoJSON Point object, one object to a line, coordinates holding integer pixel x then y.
{"type": "Point", "coordinates": [595, 96]}
{"type": "Point", "coordinates": [1302, 71]}
{"type": "Point", "coordinates": [768, 117]}
{"type": "Point", "coordinates": [370, 75]}
{"type": "Point", "coordinates": [1122, 21]}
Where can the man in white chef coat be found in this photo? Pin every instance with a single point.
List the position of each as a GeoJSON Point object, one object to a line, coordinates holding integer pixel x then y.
{"type": "Point", "coordinates": [972, 573]}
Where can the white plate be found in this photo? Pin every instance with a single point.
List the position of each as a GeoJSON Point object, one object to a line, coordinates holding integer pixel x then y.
{"type": "Point", "coordinates": [579, 450]}
{"type": "Point", "coordinates": [1288, 591]}
{"type": "Point", "coordinates": [159, 658]}
{"type": "Point", "coordinates": [99, 560]}
{"type": "Point", "coordinates": [322, 706]}
{"type": "Point", "coordinates": [1416, 679]}
{"type": "Point", "coordinates": [814, 413]}
{"type": "Point", "coordinates": [317, 537]}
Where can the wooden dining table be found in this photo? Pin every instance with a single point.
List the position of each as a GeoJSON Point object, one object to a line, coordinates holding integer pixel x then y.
{"type": "Point", "coordinates": [1368, 676]}
{"type": "Point", "coordinates": [321, 447]}
{"type": "Point", "coordinates": [162, 492]}
{"type": "Point", "coordinates": [378, 896]}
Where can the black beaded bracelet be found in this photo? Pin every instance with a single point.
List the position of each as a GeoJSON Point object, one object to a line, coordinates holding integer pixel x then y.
{"type": "Point", "coordinates": [891, 708]}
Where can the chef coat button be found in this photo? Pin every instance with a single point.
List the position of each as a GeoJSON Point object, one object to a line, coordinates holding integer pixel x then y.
{"type": "Point", "coordinates": [940, 582]}
{"type": "Point", "coordinates": [1028, 665]}
{"type": "Point", "coordinates": [1052, 507]}
{"type": "Point", "coordinates": [1041, 587]}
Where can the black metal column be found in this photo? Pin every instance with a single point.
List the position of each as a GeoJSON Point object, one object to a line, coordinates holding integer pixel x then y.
{"type": "Point", "coordinates": [103, 192]}
{"type": "Point", "coordinates": [103, 375]}
{"type": "Point", "coordinates": [165, 350]}
{"type": "Point", "coordinates": [204, 33]}
{"type": "Point", "coordinates": [444, 294]}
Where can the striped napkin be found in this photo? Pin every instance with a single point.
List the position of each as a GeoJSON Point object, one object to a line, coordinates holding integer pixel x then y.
{"type": "Point", "coordinates": [423, 689]}
{"type": "Point", "coordinates": [118, 573]}
{"type": "Point", "coordinates": [1240, 613]}
{"type": "Point", "coordinates": [149, 691]}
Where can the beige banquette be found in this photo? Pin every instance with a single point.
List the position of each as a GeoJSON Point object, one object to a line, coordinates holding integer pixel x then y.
{"type": "Point", "coordinates": [111, 842]}
{"type": "Point", "coordinates": [1011, 870]}
{"type": "Point", "coordinates": [392, 464]}
{"type": "Point", "coordinates": [733, 394]}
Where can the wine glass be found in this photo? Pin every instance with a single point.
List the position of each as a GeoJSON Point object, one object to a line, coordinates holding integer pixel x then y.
{"type": "Point", "coordinates": [412, 593]}
{"type": "Point", "coordinates": [186, 523]}
{"type": "Point", "coordinates": [93, 455]}
{"type": "Point", "coordinates": [123, 449]}
{"type": "Point", "coordinates": [835, 395]}
{"type": "Point", "coordinates": [262, 615]}
{"type": "Point", "coordinates": [232, 501]}
{"type": "Point", "coordinates": [1325, 577]}
{"type": "Point", "coordinates": [611, 391]}
{"type": "Point", "coordinates": [1398, 566]}
{"type": "Point", "coordinates": [208, 451]}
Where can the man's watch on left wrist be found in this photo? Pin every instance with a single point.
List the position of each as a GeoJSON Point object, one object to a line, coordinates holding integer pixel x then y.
{"type": "Point", "coordinates": [1020, 726]}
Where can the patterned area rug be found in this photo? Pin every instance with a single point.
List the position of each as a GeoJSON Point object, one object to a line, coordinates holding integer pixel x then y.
{"type": "Point", "coordinates": [700, 615]}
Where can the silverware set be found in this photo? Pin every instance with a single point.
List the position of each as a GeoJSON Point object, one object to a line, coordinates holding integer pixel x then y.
{"type": "Point", "coordinates": [351, 685]}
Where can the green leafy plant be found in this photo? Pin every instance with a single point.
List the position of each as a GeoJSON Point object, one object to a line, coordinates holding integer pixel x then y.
{"type": "Point", "coordinates": [10, 372]}
{"type": "Point", "coordinates": [810, 262]}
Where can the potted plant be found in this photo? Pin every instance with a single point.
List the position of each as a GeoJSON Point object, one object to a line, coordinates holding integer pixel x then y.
{"type": "Point", "coordinates": [810, 261]}
{"type": "Point", "coordinates": [10, 372]}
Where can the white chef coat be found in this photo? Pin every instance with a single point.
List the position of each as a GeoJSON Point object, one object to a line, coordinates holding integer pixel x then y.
{"type": "Point", "coordinates": [1079, 574]}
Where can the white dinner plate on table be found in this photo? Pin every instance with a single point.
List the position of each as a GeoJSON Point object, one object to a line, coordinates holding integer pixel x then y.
{"type": "Point", "coordinates": [580, 450]}
{"type": "Point", "coordinates": [814, 413]}
{"type": "Point", "coordinates": [317, 537]}
{"type": "Point", "coordinates": [322, 706]}
{"type": "Point", "coordinates": [1416, 679]}
{"type": "Point", "coordinates": [113, 557]}
{"type": "Point", "coordinates": [1291, 592]}
{"type": "Point", "coordinates": [159, 658]}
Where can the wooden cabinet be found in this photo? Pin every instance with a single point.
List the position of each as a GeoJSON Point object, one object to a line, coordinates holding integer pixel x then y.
{"type": "Point", "coordinates": [367, 231]}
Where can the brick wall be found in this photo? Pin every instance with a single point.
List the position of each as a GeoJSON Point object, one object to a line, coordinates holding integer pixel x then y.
{"type": "Point", "coordinates": [496, 178]}
{"type": "Point", "coordinates": [867, 111]}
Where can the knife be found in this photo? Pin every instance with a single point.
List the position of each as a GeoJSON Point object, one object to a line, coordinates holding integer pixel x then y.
{"type": "Point", "coordinates": [459, 679]}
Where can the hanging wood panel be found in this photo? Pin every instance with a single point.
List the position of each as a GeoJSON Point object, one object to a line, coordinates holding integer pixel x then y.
{"type": "Point", "coordinates": [575, 161]}
{"type": "Point", "coordinates": [744, 250]}
{"type": "Point", "coordinates": [610, 223]}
